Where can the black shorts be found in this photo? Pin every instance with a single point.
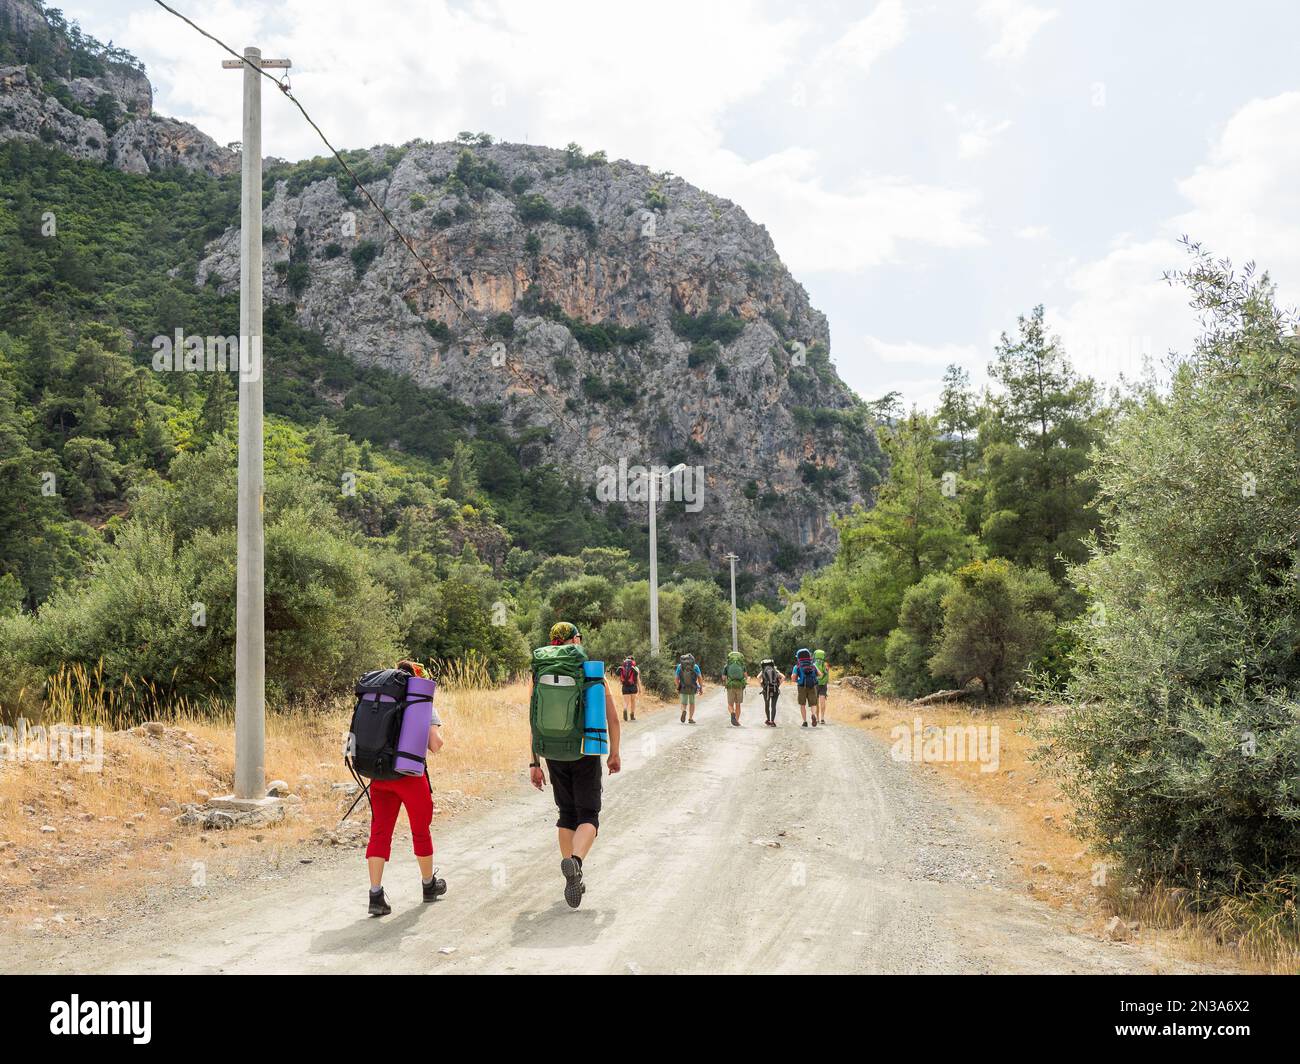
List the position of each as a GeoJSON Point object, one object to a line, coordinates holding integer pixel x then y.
{"type": "Point", "coordinates": [577, 786]}
{"type": "Point", "coordinates": [629, 688]}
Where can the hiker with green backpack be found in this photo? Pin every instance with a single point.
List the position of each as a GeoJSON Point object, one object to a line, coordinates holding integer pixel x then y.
{"type": "Point", "coordinates": [823, 681]}
{"type": "Point", "coordinates": [690, 682]}
{"type": "Point", "coordinates": [734, 675]}
{"type": "Point", "coordinates": [573, 721]}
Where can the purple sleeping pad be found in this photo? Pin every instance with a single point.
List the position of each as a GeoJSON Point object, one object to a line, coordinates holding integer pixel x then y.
{"type": "Point", "coordinates": [413, 739]}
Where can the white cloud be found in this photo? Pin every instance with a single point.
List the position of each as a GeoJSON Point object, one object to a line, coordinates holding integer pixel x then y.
{"type": "Point", "coordinates": [913, 369]}
{"type": "Point", "coordinates": [1016, 23]}
{"type": "Point", "coordinates": [602, 75]}
{"type": "Point", "coordinates": [1243, 203]}
{"type": "Point", "coordinates": [978, 132]}
{"type": "Point", "coordinates": [869, 38]}
{"type": "Point", "coordinates": [1032, 232]}
{"type": "Point", "coordinates": [916, 354]}
{"type": "Point", "coordinates": [817, 228]}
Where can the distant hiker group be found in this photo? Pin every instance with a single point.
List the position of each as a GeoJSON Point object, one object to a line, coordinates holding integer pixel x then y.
{"type": "Point", "coordinates": [810, 674]}
{"type": "Point", "coordinates": [573, 722]}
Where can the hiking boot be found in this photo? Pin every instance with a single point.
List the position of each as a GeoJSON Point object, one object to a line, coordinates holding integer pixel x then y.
{"type": "Point", "coordinates": [435, 890]}
{"type": "Point", "coordinates": [804, 724]}
{"type": "Point", "coordinates": [379, 905]}
{"type": "Point", "coordinates": [683, 716]}
{"type": "Point", "coordinates": [634, 716]}
{"type": "Point", "coordinates": [814, 720]}
{"type": "Point", "coordinates": [625, 714]}
{"type": "Point", "coordinates": [574, 887]}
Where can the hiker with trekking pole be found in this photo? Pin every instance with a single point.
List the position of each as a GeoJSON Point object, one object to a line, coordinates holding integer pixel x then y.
{"type": "Point", "coordinates": [394, 730]}
{"type": "Point", "coordinates": [769, 678]}
{"type": "Point", "coordinates": [823, 682]}
{"type": "Point", "coordinates": [573, 722]}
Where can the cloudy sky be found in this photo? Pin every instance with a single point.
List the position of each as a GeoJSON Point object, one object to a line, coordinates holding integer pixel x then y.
{"type": "Point", "coordinates": [928, 170]}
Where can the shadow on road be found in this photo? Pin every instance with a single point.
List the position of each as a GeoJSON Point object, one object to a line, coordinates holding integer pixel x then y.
{"type": "Point", "coordinates": [368, 932]}
{"type": "Point", "coordinates": [560, 927]}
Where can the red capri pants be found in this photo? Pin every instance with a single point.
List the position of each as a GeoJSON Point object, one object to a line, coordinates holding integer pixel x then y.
{"type": "Point", "coordinates": [386, 798]}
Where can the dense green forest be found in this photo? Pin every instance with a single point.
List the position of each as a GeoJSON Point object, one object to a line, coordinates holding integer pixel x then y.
{"type": "Point", "coordinates": [384, 501]}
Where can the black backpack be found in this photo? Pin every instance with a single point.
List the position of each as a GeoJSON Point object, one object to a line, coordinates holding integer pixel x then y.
{"type": "Point", "coordinates": [376, 725]}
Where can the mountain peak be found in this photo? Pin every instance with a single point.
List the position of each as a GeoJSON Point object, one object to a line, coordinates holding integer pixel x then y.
{"type": "Point", "coordinates": [91, 100]}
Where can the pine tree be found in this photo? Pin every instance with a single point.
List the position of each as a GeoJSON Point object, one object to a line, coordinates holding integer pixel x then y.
{"type": "Point", "coordinates": [1035, 438]}
{"type": "Point", "coordinates": [958, 415]}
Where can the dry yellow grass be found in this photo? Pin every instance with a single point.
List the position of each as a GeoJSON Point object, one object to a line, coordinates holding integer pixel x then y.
{"type": "Point", "coordinates": [113, 831]}
{"type": "Point", "coordinates": [1060, 868]}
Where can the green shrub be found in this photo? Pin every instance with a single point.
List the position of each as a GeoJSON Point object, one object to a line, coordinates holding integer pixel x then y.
{"type": "Point", "coordinates": [711, 325]}
{"type": "Point", "coordinates": [362, 256]}
{"type": "Point", "coordinates": [534, 208]}
{"type": "Point", "coordinates": [997, 621]}
{"type": "Point", "coordinates": [702, 353]}
{"type": "Point", "coordinates": [912, 645]}
{"type": "Point", "coordinates": [1181, 747]}
{"type": "Point", "coordinates": [577, 217]}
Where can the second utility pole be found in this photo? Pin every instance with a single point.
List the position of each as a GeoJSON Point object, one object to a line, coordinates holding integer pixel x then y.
{"type": "Point", "coordinates": [735, 639]}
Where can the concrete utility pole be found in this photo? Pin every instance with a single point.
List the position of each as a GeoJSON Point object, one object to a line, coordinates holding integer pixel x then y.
{"type": "Point", "coordinates": [250, 644]}
{"type": "Point", "coordinates": [653, 495]}
{"type": "Point", "coordinates": [735, 638]}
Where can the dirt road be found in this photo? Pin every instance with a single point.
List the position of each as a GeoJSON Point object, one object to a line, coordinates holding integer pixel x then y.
{"type": "Point", "coordinates": [722, 850]}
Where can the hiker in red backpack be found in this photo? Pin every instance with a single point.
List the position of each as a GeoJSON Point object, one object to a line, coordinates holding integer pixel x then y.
{"type": "Point", "coordinates": [386, 800]}
{"type": "Point", "coordinates": [630, 677]}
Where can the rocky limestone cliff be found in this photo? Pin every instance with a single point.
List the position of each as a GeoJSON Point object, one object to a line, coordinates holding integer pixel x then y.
{"type": "Point", "coordinates": [91, 101]}
{"type": "Point", "coordinates": [659, 316]}
{"type": "Point", "coordinates": [656, 317]}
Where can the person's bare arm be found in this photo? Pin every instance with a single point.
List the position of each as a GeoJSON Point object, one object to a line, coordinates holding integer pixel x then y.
{"type": "Point", "coordinates": [611, 722]}
{"type": "Point", "coordinates": [535, 774]}
{"type": "Point", "coordinates": [435, 738]}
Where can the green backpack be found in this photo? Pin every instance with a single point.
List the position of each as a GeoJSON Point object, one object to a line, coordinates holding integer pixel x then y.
{"type": "Point", "coordinates": [556, 709]}
{"type": "Point", "coordinates": [735, 670]}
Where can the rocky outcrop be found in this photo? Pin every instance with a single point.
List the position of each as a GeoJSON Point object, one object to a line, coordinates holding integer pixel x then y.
{"type": "Point", "coordinates": [103, 112]}
{"type": "Point", "coordinates": [629, 315]}
{"type": "Point", "coordinates": [656, 317]}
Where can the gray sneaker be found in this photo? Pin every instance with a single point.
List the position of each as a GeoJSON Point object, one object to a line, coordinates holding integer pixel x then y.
{"type": "Point", "coordinates": [574, 887]}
